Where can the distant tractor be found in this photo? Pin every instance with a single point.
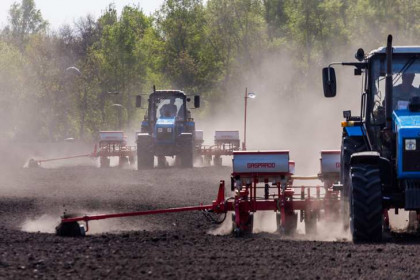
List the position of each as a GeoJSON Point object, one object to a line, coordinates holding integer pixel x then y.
{"type": "Point", "coordinates": [380, 148]}
{"type": "Point", "coordinates": [167, 129]}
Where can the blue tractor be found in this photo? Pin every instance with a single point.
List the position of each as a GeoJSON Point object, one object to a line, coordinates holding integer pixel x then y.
{"type": "Point", "coordinates": [167, 129]}
{"type": "Point", "coordinates": [380, 148]}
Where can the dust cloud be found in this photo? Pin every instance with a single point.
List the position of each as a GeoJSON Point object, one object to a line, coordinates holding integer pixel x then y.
{"type": "Point", "coordinates": [45, 224]}
{"type": "Point", "coordinates": [302, 121]}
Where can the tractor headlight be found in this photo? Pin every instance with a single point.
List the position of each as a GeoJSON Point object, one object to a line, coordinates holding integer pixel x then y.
{"type": "Point", "coordinates": [169, 129]}
{"type": "Point", "coordinates": [160, 130]}
{"type": "Point", "coordinates": [410, 144]}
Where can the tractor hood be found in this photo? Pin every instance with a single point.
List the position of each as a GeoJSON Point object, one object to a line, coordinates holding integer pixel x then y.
{"type": "Point", "coordinates": [405, 118]}
{"type": "Point", "coordinates": [406, 126]}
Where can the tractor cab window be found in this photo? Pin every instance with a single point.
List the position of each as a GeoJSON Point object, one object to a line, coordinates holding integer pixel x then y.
{"type": "Point", "coordinates": [406, 84]}
{"type": "Point", "coordinates": [169, 107]}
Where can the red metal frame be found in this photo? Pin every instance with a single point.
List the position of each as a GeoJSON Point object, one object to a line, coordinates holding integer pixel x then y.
{"type": "Point", "coordinates": [285, 200]}
{"type": "Point", "coordinates": [115, 148]}
{"type": "Point", "coordinates": [69, 157]}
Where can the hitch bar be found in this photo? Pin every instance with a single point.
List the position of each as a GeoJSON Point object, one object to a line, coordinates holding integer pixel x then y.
{"type": "Point", "coordinates": [138, 213]}
{"type": "Point", "coordinates": [218, 206]}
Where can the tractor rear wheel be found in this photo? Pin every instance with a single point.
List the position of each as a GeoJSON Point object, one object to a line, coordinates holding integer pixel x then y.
{"type": "Point", "coordinates": [145, 157]}
{"type": "Point", "coordinates": [366, 215]}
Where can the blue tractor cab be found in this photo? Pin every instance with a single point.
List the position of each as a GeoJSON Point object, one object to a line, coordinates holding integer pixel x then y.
{"type": "Point", "coordinates": [167, 129]}
{"type": "Point", "coordinates": [380, 148]}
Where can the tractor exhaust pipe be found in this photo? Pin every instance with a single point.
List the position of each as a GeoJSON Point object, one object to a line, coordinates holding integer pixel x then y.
{"type": "Point", "coordinates": [388, 84]}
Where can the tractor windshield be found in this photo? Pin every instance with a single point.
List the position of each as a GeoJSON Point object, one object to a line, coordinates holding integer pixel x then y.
{"type": "Point", "coordinates": [168, 107]}
{"type": "Point", "coordinates": [406, 83]}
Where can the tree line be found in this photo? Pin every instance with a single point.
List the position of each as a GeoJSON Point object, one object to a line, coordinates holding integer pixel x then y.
{"type": "Point", "coordinates": [82, 78]}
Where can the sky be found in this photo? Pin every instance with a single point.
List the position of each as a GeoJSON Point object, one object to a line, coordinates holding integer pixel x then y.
{"type": "Point", "coordinates": [59, 12]}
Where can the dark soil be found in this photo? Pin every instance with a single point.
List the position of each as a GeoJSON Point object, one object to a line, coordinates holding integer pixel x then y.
{"type": "Point", "coordinates": [169, 246]}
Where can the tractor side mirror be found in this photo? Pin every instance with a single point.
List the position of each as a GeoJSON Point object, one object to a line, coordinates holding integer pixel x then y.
{"type": "Point", "coordinates": [196, 101]}
{"type": "Point", "coordinates": [138, 101]}
{"type": "Point", "coordinates": [360, 54]}
{"type": "Point", "coordinates": [329, 82]}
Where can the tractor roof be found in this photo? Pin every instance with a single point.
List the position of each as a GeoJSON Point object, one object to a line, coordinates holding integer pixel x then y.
{"type": "Point", "coordinates": [397, 49]}
{"type": "Point", "coordinates": [169, 92]}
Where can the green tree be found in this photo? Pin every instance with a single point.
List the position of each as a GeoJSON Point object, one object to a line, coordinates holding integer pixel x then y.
{"type": "Point", "coordinates": [181, 23]}
{"type": "Point", "coordinates": [25, 19]}
{"type": "Point", "coordinates": [237, 33]}
{"type": "Point", "coordinates": [120, 64]}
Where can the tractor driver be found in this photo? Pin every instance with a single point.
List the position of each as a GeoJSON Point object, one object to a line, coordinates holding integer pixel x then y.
{"type": "Point", "coordinates": [169, 110]}
{"type": "Point", "coordinates": [404, 91]}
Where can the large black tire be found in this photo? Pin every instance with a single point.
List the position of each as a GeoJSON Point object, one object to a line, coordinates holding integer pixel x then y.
{"type": "Point", "coordinates": [145, 157]}
{"type": "Point", "coordinates": [349, 146]}
{"type": "Point", "coordinates": [366, 215]}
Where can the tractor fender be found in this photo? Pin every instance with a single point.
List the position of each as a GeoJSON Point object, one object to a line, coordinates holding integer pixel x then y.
{"type": "Point", "coordinates": [372, 157]}
{"type": "Point", "coordinates": [369, 157]}
{"type": "Point", "coordinates": [141, 135]}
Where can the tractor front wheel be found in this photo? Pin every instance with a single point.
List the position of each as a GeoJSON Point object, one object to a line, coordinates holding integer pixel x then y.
{"type": "Point", "coordinates": [366, 215]}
